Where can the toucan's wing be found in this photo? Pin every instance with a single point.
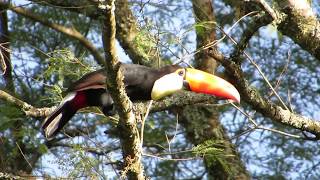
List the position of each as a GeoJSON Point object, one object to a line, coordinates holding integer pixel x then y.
{"type": "Point", "coordinates": [92, 80]}
{"type": "Point", "coordinates": [97, 79]}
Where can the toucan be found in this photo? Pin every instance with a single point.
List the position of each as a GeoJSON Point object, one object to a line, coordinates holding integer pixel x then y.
{"type": "Point", "coordinates": [141, 83]}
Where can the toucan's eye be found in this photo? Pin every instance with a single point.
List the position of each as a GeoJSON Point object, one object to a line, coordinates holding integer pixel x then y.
{"type": "Point", "coordinates": [181, 73]}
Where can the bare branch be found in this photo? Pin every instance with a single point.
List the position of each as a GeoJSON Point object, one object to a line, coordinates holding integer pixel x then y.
{"type": "Point", "coordinates": [171, 159]}
{"type": "Point", "coordinates": [256, 126]}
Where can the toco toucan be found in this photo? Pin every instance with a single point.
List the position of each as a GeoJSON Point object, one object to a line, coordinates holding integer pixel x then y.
{"type": "Point", "coordinates": [141, 83]}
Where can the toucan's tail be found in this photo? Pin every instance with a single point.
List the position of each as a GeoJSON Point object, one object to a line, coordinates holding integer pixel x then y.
{"type": "Point", "coordinates": [59, 117]}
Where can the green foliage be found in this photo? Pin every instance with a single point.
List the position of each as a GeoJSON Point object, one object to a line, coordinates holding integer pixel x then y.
{"type": "Point", "coordinates": [209, 148]}
{"type": "Point", "coordinates": [9, 114]}
{"type": "Point", "coordinates": [145, 42]}
{"type": "Point", "coordinates": [64, 63]}
{"type": "Point", "coordinates": [213, 152]}
{"type": "Point", "coordinates": [64, 68]}
{"type": "Point", "coordinates": [204, 26]}
{"type": "Point", "coordinates": [77, 162]}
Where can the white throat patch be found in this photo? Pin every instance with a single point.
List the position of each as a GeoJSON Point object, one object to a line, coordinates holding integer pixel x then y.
{"type": "Point", "coordinates": [166, 85]}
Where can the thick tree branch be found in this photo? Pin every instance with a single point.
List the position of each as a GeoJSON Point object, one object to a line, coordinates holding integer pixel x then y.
{"type": "Point", "coordinates": [248, 94]}
{"type": "Point", "coordinates": [294, 19]}
{"type": "Point", "coordinates": [300, 24]}
{"type": "Point", "coordinates": [129, 136]}
{"type": "Point", "coordinates": [177, 100]}
{"type": "Point", "coordinates": [71, 32]}
{"type": "Point", "coordinates": [27, 108]}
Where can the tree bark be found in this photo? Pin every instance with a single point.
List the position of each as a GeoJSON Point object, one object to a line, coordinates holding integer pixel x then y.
{"type": "Point", "coordinates": [129, 136]}
{"type": "Point", "coordinates": [202, 123]}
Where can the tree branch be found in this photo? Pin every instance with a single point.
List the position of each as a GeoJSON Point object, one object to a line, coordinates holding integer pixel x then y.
{"type": "Point", "coordinates": [252, 27]}
{"type": "Point", "coordinates": [126, 23]}
{"type": "Point", "coordinates": [300, 24]}
{"type": "Point", "coordinates": [176, 100]}
{"type": "Point", "coordinates": [250, 95]}
{"type": "Point", "coordinates": [294, 19]}
{"type": "Point", "coordinates": [27, 108]}
{"type": "Point", "coordinates": [71, 32]}
{"type": "Point", "coordinates": [129, 136]}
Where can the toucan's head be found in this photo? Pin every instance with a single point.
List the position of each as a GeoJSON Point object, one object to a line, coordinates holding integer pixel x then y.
{"type": "Point", "coordinates": [196, 81]}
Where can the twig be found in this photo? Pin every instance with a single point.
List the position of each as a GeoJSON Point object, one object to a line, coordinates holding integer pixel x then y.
{"type": "Point", "coordinates": [256, 126]}
{"type": "Point", "coordinates": [247, 115]}
{"type": "Point", "coordinates": [25, 158]}
{"type": "Point", "coordinates": [285, 68]}
{"type": "Point", "coordinates": [171, 159]}
{"type": "Point", "coordinates": [143, 121]}
{"type": "Point", "coordinates": [243, 133]}
{"type": "Point", "coordinates": [257, 67]}
{"type": "Point", "coordinates": [174, 153]}
{"type": "Point", "coordinates": [174, 136]}
{"type": "Point", "coordinates": [213, 43]}
{"type": "Point", "coordinates": [267, 8]}
{"type": "Point", "coordinates": [279, 132]}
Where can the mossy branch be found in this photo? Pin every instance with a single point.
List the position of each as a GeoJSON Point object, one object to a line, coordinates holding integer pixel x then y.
{"type": "Point", "coordinates": [129, 136]}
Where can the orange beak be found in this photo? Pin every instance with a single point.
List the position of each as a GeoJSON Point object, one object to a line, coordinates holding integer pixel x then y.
{"type": "Point", "coordinates": [202, 82]}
